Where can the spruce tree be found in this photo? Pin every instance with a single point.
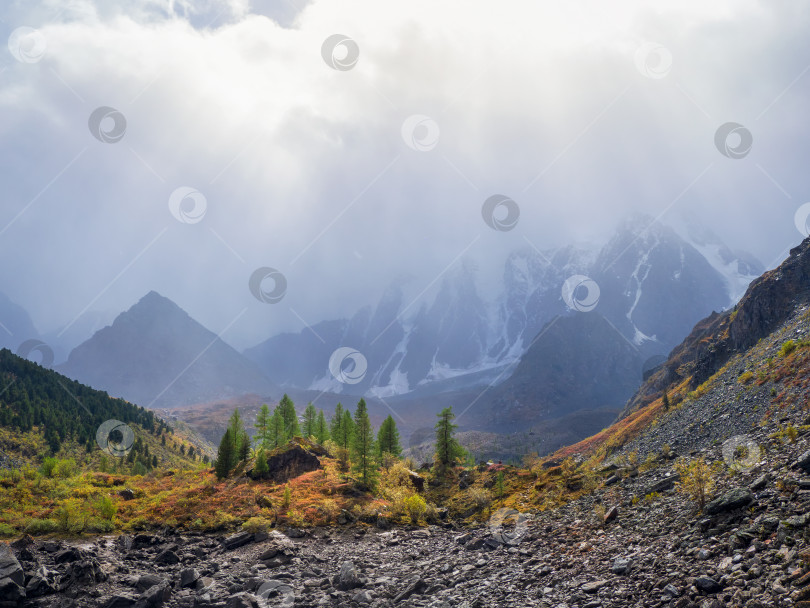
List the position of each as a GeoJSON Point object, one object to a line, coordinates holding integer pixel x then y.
{"type": "Point", "coordinates": [262, 425]}
{"type": "Point", "coordinates": [244, 447]}
{"type": "Point", "coordinates": [239, 438]}
{"type": "Point", "coordinates": [225, 456]}
{"type": "Point", "coordinates": [310, 418]}
{"type": "Point", "coordinates": [334, 424]}
{"type": "Point", "coordinates": [346, 430]}
{"type": "Point", "coordinates": [363, 460]}
{"type": "Point", "coordinates": [277, 437]}
{"type": "Point", "coordinates": [261, 463]}
{"type": "Point", "coordinates": [448, 450]}
{"type": "Point", "coordinates": [321, 429]}
{"type": "Point", "coordinates": [388, 438]}
{"type": "Point", "coordinates": [287, 408]}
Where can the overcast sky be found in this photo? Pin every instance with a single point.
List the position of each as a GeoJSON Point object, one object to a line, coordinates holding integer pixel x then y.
{"type": "Point", "coordinates": [345, 167]}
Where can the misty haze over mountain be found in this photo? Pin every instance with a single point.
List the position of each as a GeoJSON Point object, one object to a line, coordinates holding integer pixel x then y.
{"type": "Point", "coordinates": [305, 168]}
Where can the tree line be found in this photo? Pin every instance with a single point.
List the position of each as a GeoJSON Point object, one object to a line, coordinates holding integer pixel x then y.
{"type": "Point", "coordinates": [349, 436]}
{"type": "Point", "coordinates": [61, 409]}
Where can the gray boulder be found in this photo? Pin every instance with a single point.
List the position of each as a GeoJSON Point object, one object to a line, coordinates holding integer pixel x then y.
{"type": "Point", "coordinates": [733, 499]}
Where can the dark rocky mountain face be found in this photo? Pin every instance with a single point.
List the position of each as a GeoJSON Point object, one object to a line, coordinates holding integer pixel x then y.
{"type": "Point", "coordinates": [653, 285]}
{"type": "Point", "coordinates": [577, 362]}
{"type": "Point", "coordinates": [399, 354]}
{"type": "Point", "coordinates": [155, 355]}
{"type": "Point", "coordinates": [767, 303]}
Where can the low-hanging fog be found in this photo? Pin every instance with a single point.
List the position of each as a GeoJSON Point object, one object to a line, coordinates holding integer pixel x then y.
{"type": "Point", "coordinates": [345, 176]}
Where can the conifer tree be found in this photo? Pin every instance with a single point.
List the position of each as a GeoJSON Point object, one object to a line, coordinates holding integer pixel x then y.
{"type": "Point", "coordinates": [335, 423]}
{"type": "Point", "coordinates": [321, 429]}
{"type": "Point", "coordinates": [239, 438]}
{"type": "Point", "coordinates": [388, 438]}
{"type": "Point", "coordinates": [448, 450]}
{"type": "Point", "coordinates": [225, 456]}
{"type": "Point", "coordinates": [287, 408]}
{"type": "Point", "coordinates": [277, 437]}
{"type": "Point", "coordinates": [262, 425]}
{"type": "Point", "coordinates": [363, 457]}
{"type": "Point", "coordinates": [346, 430]}
{"type": "Point", "coordinates": [261, 463]}
{"type": "Point", "coordinates": [310, 418]}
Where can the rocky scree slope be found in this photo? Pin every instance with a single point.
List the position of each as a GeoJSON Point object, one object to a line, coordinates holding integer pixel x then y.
{"type": "Point", "coordinates": [767, 304]}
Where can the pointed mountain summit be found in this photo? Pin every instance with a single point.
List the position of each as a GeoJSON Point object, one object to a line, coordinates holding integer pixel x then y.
{"type": "Point", "coordinates": [156, 355]}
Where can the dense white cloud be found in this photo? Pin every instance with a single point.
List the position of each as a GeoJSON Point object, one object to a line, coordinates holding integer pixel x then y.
{"type": "Point", "coordinates": [304, 168]}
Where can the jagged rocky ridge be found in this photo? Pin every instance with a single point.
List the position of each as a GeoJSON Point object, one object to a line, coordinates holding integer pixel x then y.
{"type": "Point", "coordinates": [769, 301]}
{"type": "Point", "coordinates": [654, 285]}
